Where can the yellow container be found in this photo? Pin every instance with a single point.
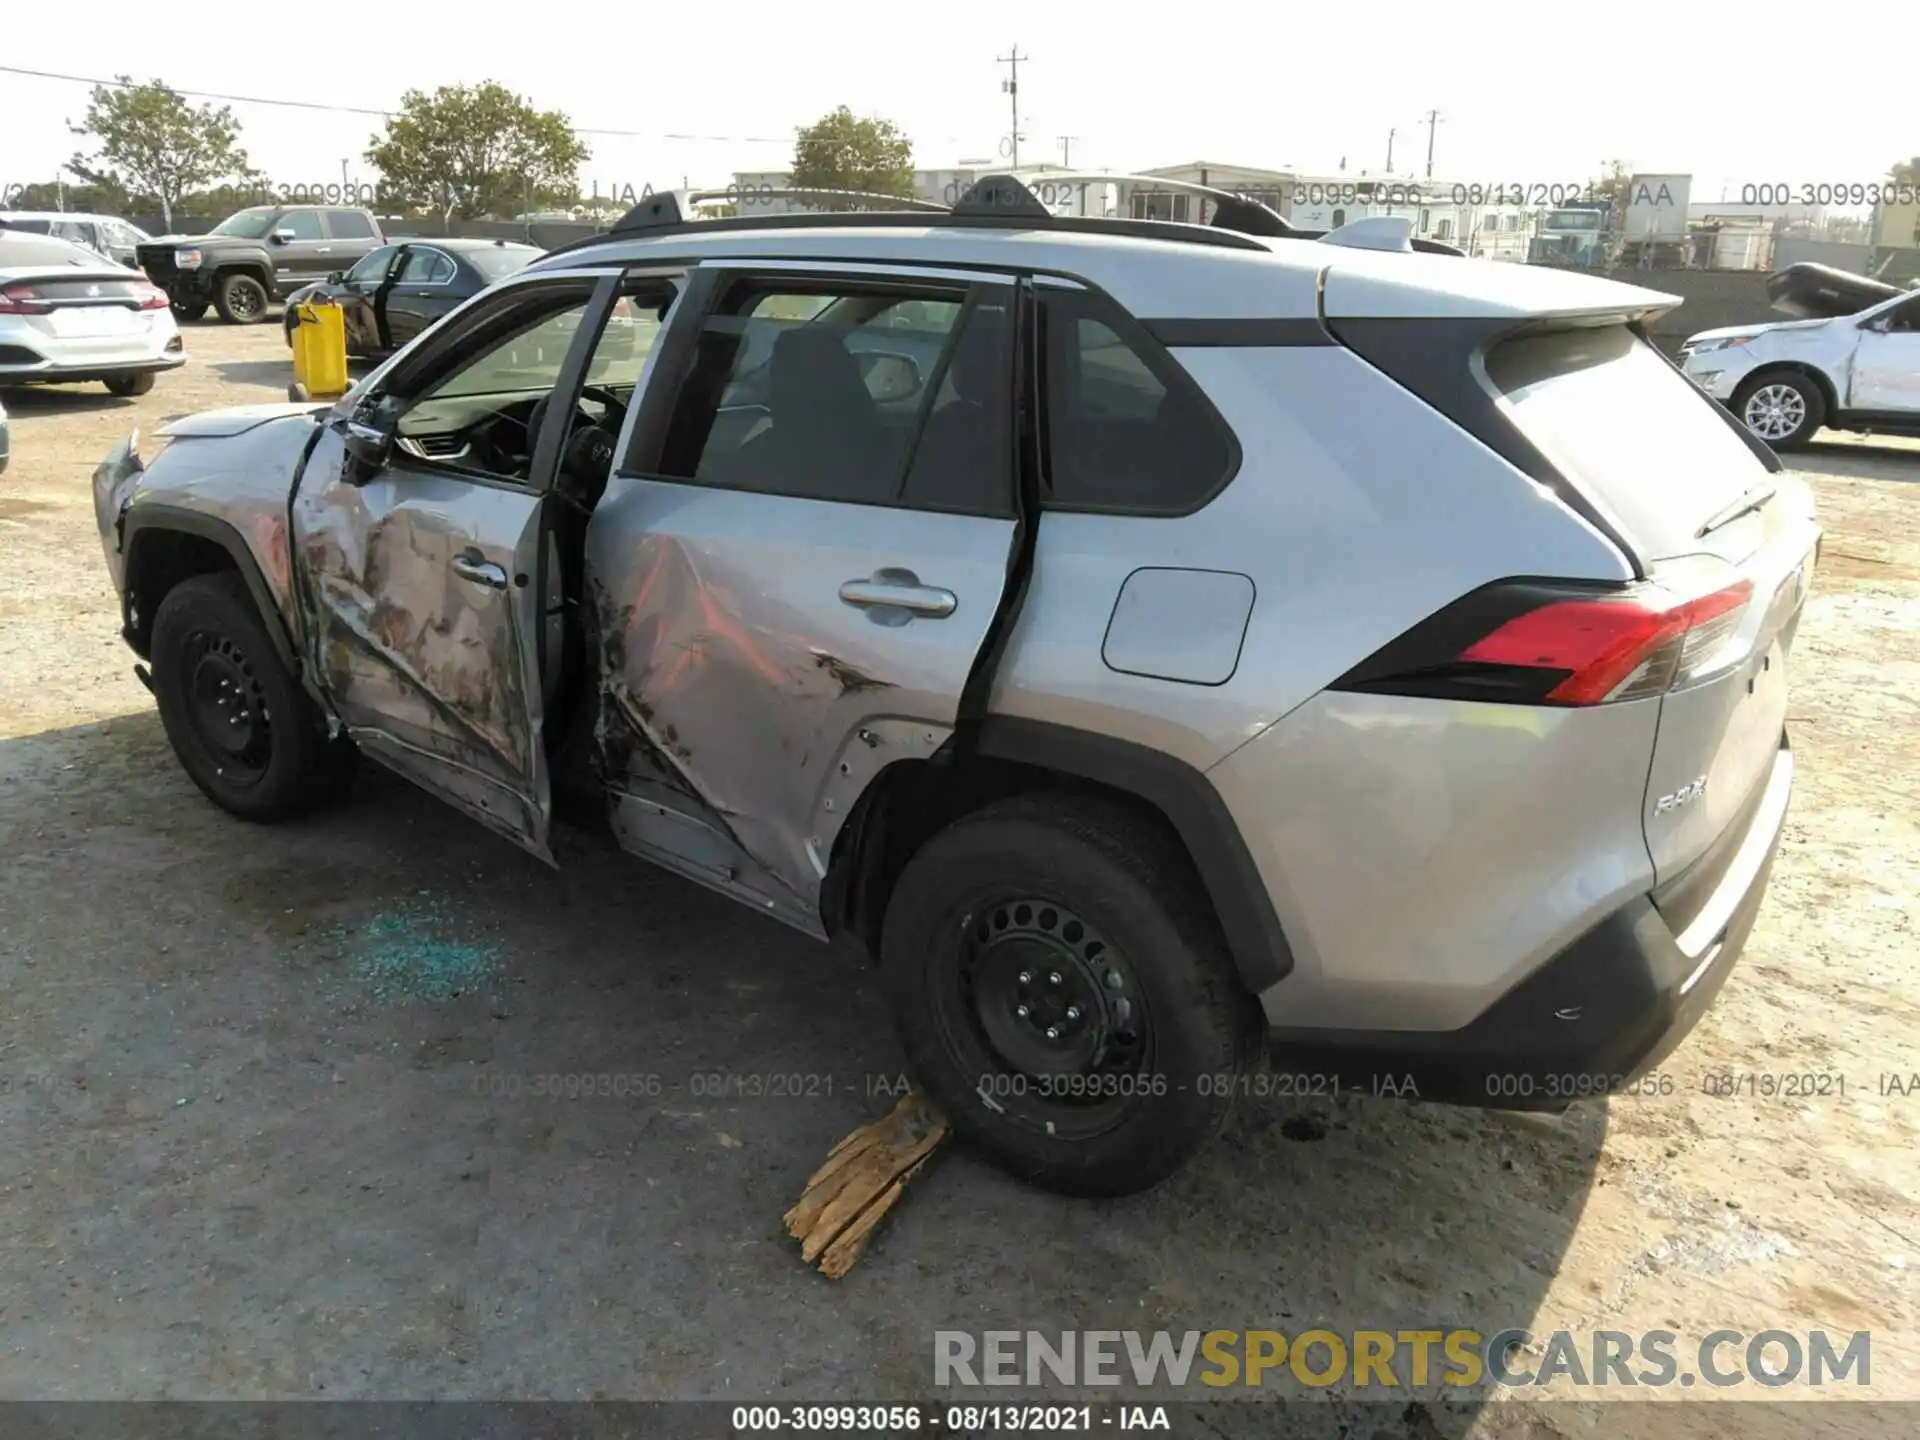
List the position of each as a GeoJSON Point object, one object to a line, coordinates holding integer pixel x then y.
{"type": "Point", "coordinates": [319, 351]}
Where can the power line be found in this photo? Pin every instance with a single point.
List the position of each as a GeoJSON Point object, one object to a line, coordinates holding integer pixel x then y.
{"type": "Point", "coordinates": [388, 114]}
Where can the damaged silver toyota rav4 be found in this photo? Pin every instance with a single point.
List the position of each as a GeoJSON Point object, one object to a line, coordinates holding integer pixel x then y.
{"type": "Point", "coordinates": [1162, 645]}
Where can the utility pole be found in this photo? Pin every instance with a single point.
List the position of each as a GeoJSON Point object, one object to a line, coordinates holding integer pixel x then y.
{"type": "Point", "coordinates": [1066, 150]}
{"type": "Point", "coordinates": [1433, 124]}
{"type": "Point", "coordinates": [1012, 86]}
{"type": "Point", "coordinates": [1390, 135]}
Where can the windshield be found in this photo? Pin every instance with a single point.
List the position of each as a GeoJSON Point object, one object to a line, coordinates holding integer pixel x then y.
{"type": "Point", "coordinates": [499, 261]}
{"type": "Point", "coordinates": [246, 224]}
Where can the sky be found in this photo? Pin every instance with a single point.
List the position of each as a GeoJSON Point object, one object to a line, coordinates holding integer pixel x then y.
{"type": "Point", "coordinates": [1526, 95]}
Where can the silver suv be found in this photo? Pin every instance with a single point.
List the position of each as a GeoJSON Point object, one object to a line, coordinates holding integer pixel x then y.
{"type": "Point", "coordinates": [1159, 644]}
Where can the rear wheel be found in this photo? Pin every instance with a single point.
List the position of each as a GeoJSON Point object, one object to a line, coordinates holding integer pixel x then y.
{"type": "Point", "coordinates": [138, 383]}
{"type": "Point", "coordinates": [1064, 995]}
{"type": "Point", "coordinates": [1781, 407]}
{"type": "Point", "coordinates": [242, 300]}
{"type": "Point", "coordinates": [242, 727]}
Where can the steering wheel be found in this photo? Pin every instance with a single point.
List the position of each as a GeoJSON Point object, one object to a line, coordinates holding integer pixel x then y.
{"type": "Point", "coordinates": [586, 455]}
{"type": "Point", "coordinates": [615, 417]}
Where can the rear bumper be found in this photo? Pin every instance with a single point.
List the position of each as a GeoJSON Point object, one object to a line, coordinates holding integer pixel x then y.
{"type": "Point", "coordinates": [51, 373]}
{"type": "Point", "coordinates": [1592, 1019]}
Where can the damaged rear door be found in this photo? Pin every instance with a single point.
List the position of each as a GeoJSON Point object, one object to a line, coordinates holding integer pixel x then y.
{"type": "Point", "coordinates": [421, 538]}
{"type": "Point", "coordinates": [799, 559]}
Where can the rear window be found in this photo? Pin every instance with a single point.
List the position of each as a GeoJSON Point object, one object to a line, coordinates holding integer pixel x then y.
{"type": "Point", "coordinates": [349, 225]}
{"type": "Point", "coordinates": [1619, 422]}
{"type": "Point", "coordinates": [498, 262]}
{"type": "Point", "coordinates": [19, 248]}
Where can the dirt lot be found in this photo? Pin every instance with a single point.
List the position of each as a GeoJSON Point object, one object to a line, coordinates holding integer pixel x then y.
{"type": "Point", "coordinates": [268, 1121]}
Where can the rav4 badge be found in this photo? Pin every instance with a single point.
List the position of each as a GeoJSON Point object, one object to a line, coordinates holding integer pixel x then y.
{"type": "Point", "coordinates": [1685, 795]}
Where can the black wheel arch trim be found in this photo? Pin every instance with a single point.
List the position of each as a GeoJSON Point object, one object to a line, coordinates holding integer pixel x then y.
{"type": "Point", "coordinates": [1191, 805]}
{"type": "Point", "coordinates": [163, 519]}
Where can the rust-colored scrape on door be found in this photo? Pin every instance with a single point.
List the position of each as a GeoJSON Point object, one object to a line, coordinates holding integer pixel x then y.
{"type": "Point", "coordinates": [862, 1180]}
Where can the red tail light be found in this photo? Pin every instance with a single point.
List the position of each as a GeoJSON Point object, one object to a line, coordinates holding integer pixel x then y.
{"type": "Point", "coordinates": [151, 298]}
{"type": "Point", "coordinates": [1540, 644]}
{"type": "Point", "coordinates": [23, 300]}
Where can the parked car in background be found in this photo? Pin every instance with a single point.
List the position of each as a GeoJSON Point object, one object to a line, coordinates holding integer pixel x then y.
{"type": "Point", "coordinates": [397, 291]}
{"type": "Point", "coordinates": [6, 446]}
{"type": "Point", "coordinates": [103, 234]}
{"type": "Point", "coordinates": [67, 314]}
{"type": "Point", "coordinates": [1786, 380]}
{"type": "Point", "coordinates": [257, 256]}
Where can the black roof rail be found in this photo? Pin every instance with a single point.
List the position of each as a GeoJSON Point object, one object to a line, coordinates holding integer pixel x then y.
{"type": "Point", "coordinates": [679, 207]}
{"type": "Point", "coordinates": [919, 220]}
{"type": "Point", "coordinates": [1232, 210]}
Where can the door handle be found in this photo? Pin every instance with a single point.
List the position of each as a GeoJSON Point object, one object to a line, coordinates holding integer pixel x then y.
{"type": "Point", "coordinates": [900, 590]}
{"type": "Point", "coordinates": [472, 565]}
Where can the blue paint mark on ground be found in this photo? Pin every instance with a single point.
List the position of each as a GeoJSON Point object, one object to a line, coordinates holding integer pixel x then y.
{"type": "Point", "coordinates": [413, 953]}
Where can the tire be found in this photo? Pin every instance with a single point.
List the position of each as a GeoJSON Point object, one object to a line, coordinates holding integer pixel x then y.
{"type": "Point", "coordinates": [212, 658]}
{"type": "Point", "coordinates": [187, 309]}
{"type": "Point", "coordinates": [137, 383]}
{"type": "Point", "coordinates": [1785, 402]}
{"type": "Point", "coordinates": [984, 918]}
{"type": "Point", "coordinates": [241, 299]}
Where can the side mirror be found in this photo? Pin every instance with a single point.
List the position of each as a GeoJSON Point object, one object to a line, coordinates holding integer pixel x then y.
{"type": "Point", "coordinates": [368, 435]}
{"type": "Point", "coordinates": [282, 237]}
{"type": "Point", "coordinates": [890, 377]}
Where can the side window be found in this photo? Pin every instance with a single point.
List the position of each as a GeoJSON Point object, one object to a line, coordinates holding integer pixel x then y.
{"type": "Point", "coordinates": [478, 415]}
{"type": "Point", "coordinates": [1905, 319]}
{"type": "Point", "coordinates": [122, 234]}
{"type": "Point", "coordinates": [371, 269]}
{"type": "Point", "coordinates": [1126, 429]}
{"type": "Point", "coordinates": [822, 392]}
{"type": "Point", "coordinates": [426, 267]}
{"type": "Point", "coordinates": [305, 224]}
{"type": "Point", "coordinates": [349, 225]}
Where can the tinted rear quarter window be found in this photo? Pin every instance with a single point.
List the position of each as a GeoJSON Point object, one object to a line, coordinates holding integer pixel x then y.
{"type": "Point", "coordinates": [1624, 426]}
{"type": "Point", "coordinates": [349, 225]}
{"type": "Point", "coordinates": [1127, 430]}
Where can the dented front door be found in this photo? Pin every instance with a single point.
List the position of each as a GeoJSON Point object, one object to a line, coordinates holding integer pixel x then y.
{"type": "Point", "coordinates": [422, 573]}
{"type": "Point", "coordinates": [421, 594]}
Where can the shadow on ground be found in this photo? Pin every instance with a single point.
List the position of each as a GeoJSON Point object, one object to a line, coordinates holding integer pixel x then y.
{"type": "Point", "coordinates": [25, 400]}
{"type": "Point", "coordinates": [373, 1105]}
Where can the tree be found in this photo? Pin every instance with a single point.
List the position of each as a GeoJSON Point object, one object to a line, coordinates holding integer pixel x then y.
{"type": "Point", "coordinates": [840, 151]}
{"type": "Point", "coordinates": [51, 195]}
{"type": "Point", "coordinates": [1905, 172]}
{"type": "Point", "coordinates": [477, 150]}
{"type": "Point", "coordinates": [154, 145]}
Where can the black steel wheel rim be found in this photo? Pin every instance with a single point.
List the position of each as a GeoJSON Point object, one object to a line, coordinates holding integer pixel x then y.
{"type": "Point", "coordinates": [1045, 1008]}
{"type": "Point", "coordinates": [246, 299]}
{"type": "Point", "coordinates": [227, 708]}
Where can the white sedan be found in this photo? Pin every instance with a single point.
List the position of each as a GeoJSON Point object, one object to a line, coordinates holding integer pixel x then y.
{"type": "Point", "coordinates": [66, 314]}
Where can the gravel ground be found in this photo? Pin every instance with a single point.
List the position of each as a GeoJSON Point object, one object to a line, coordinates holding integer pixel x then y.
{"type": "Point", "coordinates": [270, 1121]}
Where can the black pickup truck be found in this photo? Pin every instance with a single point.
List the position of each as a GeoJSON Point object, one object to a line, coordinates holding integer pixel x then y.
{"type": "Point", "coordinates": [257, 256]}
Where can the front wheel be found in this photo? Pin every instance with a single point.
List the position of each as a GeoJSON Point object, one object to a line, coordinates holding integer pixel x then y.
{"type": "Point", "coordinates": [1782, 407]}
{"type": "Point", "coordinates": [243, 729]}
{"type": "Point", "coordinates": [242, 300]}
{"type": "Point", "coordinates": [187, 309]}
{"type": "Point", "coordinates": [1064, 994]}
{"type": "Point", "coordinates": [137, 383]}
